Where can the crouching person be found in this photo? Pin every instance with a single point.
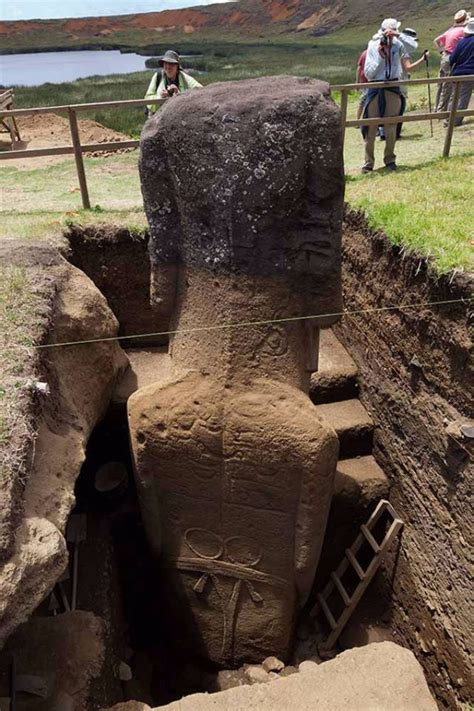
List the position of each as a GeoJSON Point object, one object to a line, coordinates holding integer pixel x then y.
{"type": "Point", "coordinates": [173, 80]}
{"type": "Point", "coordinates": [383, 63]}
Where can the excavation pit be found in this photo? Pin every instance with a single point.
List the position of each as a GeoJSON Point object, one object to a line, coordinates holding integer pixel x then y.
{"type": "Point", "coordinates": [418, 450]}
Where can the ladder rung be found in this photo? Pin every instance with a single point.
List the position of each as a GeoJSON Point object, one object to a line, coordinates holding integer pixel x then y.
{"type": "Point", "coordinates": [327, 612]}
{"type": "Point", "coordinates": [355, 563]}
{"type": "Point", "coordinates": [342, 590]}
{"type": "Point", "coordinates": [369, 537]}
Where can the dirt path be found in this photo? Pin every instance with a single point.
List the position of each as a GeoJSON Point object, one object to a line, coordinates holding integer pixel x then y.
{"type": "Point", "coordinates": [49, 130]}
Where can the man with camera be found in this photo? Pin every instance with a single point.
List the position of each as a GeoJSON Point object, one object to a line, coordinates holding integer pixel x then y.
{"type": "Point", "coordinates": [173, 80]}
{"type": "Point", "coordinates": [383, 63]}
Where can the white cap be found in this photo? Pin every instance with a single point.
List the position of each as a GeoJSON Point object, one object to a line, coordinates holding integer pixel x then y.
{"type": "Point", "coordinates": [469, 29]}
{"type": "Point", "coordinates": [390, 24]}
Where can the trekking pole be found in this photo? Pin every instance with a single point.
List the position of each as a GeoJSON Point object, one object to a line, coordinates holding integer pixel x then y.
{"type": "Point", "coordinates": [429, 88]}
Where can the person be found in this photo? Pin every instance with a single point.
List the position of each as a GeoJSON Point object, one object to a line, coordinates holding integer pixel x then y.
{"type": "Point", "coordinates": [462, 63]}
{"type": "Point", "coordinates": [383, 63]}
{"type": "Point", "coordinates": [173, 80]}
{"type": "Point", "coordinates": [446, 44]}
{"type": "Point", "coordinates": [361, 79]}
{"type": "Point", "coordinates": [409, 39]}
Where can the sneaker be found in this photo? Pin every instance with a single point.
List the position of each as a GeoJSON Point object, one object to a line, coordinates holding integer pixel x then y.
{"type": "Point", "coordinates": [367, 169]}
{"type": "Point", "coordinates": [391, 166]}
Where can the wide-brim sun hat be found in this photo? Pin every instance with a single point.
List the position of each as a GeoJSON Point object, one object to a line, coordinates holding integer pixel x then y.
{"type": "Point", "coordinates": [170, 57]}
{"type": "Point", "coordinates": [410, 32]}
{"type": "Point", "coordinates": [461, 17]}
{"type": "Point", "coordinates": [390, 23]}
{"type": "Point", "coordinates": [469, 29]}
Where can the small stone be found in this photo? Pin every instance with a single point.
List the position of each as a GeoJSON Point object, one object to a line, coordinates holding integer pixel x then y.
{"type": "Point", "coordinates": [307, 667]}
{"type": "Point", "coordinates": [125, 673]}
{"type": "Point", "coordinates": [273, 664]}
{"type": "Point", "coordinates": [256, 675]}
{"type": "Point", "coordinates": [288, 671]}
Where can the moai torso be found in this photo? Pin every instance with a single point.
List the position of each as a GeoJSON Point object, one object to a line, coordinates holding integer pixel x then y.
{"type": "Point", "coordinates": [243, 189]}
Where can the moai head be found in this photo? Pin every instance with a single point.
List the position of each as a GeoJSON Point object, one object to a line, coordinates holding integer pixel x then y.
{"type": "Point", "coordinates": [243, 190]}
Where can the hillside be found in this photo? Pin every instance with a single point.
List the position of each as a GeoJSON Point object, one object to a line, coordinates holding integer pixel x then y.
{"type": "Point", "coordinates": [257, 18]}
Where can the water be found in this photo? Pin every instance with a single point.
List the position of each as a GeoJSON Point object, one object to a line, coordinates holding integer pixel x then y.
{"type": "Point", "coordinates": [57, 67]}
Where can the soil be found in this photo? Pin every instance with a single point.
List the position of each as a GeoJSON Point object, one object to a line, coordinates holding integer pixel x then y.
{"type": "Point", "coordinates": [417, 382]}
{"type": "Point", "coordinates": [51, 130]}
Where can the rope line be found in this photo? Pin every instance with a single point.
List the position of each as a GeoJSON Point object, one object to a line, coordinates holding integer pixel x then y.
{"type": "Point", "coordinates": [265, 322]}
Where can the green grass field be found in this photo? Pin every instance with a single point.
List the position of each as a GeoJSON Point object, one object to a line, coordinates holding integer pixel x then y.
{"type": "Point", "coordinates": [406, 204]}
{"type": "Point", "coordinates": [332, 58]}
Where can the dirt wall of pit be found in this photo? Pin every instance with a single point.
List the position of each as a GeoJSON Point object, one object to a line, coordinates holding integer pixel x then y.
{"type": "Point", "coordinates": [417, 376]}
{"type": "Point", "coordinates": [117, 262]}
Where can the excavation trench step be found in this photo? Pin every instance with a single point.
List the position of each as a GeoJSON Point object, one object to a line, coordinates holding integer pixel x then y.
{"type": "Point", "coordinates": [360, 480]}
{"type": "Point", "coordinates": [336, 378]}
{"type": "Point", "coordinates": [353, 426]}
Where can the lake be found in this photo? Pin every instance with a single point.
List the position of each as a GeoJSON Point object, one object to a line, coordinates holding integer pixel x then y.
{"type": "Point", "coordinates": [57, 67]}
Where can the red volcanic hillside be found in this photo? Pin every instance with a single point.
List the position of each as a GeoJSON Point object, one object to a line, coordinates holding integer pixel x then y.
{"type": "Point", "coordinates": [249, 16]}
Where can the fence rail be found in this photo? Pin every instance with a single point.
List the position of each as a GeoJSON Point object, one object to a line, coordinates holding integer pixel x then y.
{"type": "Point", "coordinates": [77, 149]}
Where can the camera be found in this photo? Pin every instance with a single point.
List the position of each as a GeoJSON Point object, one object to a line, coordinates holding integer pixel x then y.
{"type": "Point", "coordinates": [170, 91]}
{"type": "Point", "coordinates": [384, 41]}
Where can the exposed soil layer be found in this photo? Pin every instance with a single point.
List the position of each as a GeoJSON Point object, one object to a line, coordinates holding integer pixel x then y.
{"type": "Point", "coordinates": [50, 130]}
{"type": "Point", "coordinates": [417, 371]}
{"type": "Point", "coordinates": [117, 262]}
{"type": "Point", "coordinates": [416, 378]}
{"type": "Point", "coordinates": [66, 393]}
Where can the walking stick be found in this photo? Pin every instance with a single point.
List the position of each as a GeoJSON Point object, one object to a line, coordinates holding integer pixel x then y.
{"type": "Point", "coordinates": [429, 88]}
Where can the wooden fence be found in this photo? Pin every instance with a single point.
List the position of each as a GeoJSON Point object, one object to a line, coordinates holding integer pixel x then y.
{"type": "Point", "coordinates": [78, 149]}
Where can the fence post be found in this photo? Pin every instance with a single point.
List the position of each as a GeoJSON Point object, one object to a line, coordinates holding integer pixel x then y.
{"type": "Point", "coordinates": [452, 118]}
{"type": "Point", "coordinates": [81, 173]}
{"type": "Point", "coordinates": [344, 98]}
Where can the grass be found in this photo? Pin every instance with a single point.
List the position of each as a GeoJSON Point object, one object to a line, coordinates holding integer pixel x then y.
{"type": "Point", "coordinates": [20, 306]}
{"type": "Point", "coordinates": [332, 58]}
{"type": "Point", "coordinates": [428, 209]}
{"type": "Point", "coordinates": [405, 205]}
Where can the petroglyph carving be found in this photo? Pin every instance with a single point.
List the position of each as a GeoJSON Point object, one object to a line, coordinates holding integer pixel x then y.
{"type": "Point", "coordinates": [234, 470]}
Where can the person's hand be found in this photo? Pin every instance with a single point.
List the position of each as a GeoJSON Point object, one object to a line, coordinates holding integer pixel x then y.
{"type": "Point", "coordinates": [163, 94]}
{"type": "Point", "coordinates": [173, 90]}
{"type": "Point", "coordinates": [426, 54]}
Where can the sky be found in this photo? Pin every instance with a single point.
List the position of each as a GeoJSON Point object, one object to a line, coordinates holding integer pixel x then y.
{"type": "Point", "coordinates": [46, 9]}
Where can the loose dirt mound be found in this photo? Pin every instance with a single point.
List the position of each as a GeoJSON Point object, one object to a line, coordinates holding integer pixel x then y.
{"type": "Point", "coordinates": [49, 130]}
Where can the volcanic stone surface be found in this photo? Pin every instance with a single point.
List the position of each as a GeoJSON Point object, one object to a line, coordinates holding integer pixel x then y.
{"type": "Point", "coordinates": [243, 189]}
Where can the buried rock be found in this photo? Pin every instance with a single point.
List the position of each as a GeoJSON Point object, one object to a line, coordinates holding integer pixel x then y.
{"type": "Point", "coordinates": [243, 189]}
{"type": "Point", "coordinates": [382, 677]}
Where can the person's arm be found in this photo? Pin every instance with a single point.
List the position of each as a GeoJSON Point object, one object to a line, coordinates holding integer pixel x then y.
{"type": "Point", "coordinates": [409, 66]}
{"type": "Point", "coordinates": [153, 92]}
{"type": "Point", "coordinates": [191, 82]}
{"type": "Point", "coordinates": [373, 61]}
{"type": "Point", "coordinates": [439, 42]}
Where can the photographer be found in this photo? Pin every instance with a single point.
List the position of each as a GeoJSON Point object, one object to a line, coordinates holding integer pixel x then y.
{"type": "Point", "coordinates": [383, 63]}
{"type": "Point", "coordinates": [173, 80]}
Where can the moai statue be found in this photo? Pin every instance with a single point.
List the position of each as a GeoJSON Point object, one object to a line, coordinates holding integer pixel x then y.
{"type": "Point", "coordinates": [243, 190]}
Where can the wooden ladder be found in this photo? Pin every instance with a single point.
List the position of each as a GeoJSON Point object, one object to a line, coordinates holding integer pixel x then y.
{"type": "Point", "coordinates": [365, 576]}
